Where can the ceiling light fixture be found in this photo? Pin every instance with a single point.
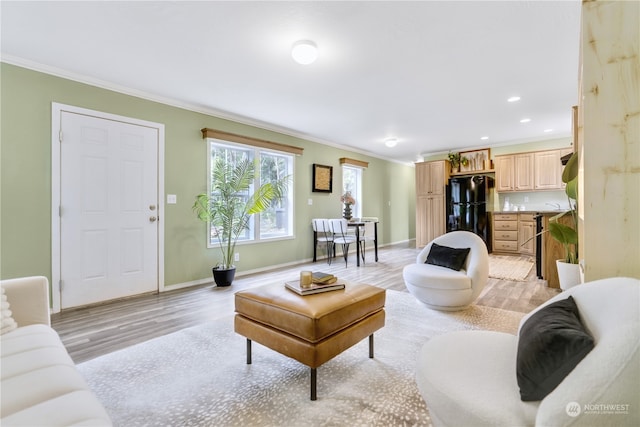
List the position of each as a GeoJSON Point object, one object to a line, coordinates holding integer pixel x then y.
{"type": "Point", "coordinates": [513, 99]}
{"type": "Point", "coordinates": [304, 52]}
{"type": "Point", "coordinates": [525, 120]}
{"type": "Point", "coordinates": [484, 138]}
{"type": "Point", "coordinates": [391, 142]}
{"type": "Point", "coordinates": [548, 130]}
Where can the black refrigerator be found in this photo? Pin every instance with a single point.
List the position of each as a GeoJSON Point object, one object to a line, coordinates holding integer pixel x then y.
{"type": "Point", "coordinates": [467, 205]}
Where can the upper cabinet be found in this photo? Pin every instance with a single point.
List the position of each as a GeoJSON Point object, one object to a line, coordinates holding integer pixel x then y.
{"type": "Point", "coordinates": [535, 171]}
{"type": "Point", "coordinates": [523, 172]}
{"type": "Point", "coordinates": [514, 172]}
{"type": "Point", "coordinates": [505, 180]}
{"type": "Point", "coordinates": [548, 169]}
{"type": "Point", "coordinates": [431, 178]}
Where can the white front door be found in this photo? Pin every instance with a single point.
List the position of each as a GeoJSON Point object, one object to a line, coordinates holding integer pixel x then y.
{"type": "Point", "coordinates": [108, 209]}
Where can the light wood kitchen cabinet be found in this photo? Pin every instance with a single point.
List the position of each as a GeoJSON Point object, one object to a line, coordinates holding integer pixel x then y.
{"type": "Point", "coordinates": [504, 173]}
{"type": "Point", "coordinates": [534, 171]}
{"type": "Point", "coordinates": [512, 230]}
{"type": "Point", "coordinates": [431, 178]}
{"type": "Point", "coordinates": [526, 233]}
{"type": "Point", "coordinates": [430, 221]}
{"type": "Point", "coordinates": [523, 172]}
{"type": "Point", "coordinates": [548, 169]}
{"type": "Point", "coordinates": [505, 232]}
{"type": "Point", "coordinates": [514, 172]}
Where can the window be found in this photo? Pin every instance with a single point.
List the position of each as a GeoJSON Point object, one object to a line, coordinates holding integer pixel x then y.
{"type": "Point", "coordinates": [275, 222]}
{"type": "Point", "coordinates": [352, 182]}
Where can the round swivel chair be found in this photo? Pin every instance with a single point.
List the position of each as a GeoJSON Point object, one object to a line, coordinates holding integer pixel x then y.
{"type": "Point", "coordinates": [442, 288]}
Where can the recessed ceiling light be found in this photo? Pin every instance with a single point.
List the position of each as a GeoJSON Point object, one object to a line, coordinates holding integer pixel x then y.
{"type": "Point", "coordinates": [391, 142]}
{"type": "Point", "coordinates": [513, 99]}
{"type": "Point", "coordinates": [484, 138]}
{"type": "Point", "coordinates": [525, 120]}
{"type": "Point", "coordinates": [548, 130]}
{"type": "Point", "coordinates": [304, 52]}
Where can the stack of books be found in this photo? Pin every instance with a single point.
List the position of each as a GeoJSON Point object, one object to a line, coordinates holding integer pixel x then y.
{"type": "Point", "coordinates": [320, 278]}
{"type": "Point", "coordinates": [322, 282]}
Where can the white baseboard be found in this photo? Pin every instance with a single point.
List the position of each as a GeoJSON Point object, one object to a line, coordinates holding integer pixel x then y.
{"type": "Point", "coordinates": [259, 270]}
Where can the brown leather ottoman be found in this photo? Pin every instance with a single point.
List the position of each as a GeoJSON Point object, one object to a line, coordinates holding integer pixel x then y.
{"type": "Point", "coordinates": [311, 329]}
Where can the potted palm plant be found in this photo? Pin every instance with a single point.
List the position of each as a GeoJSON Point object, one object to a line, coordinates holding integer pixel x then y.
{"type": "Point", "coordinates": [567, 233]}
{"type": "Point", "coordinates": [229, 207]}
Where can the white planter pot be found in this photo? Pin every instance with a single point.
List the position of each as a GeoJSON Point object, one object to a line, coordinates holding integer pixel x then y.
{"type": "Point", "coordinates": [568, 274]}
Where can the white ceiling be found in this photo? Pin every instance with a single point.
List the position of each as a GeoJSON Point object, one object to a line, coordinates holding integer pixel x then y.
{"type": "Point", "coordinates": [434, 75]}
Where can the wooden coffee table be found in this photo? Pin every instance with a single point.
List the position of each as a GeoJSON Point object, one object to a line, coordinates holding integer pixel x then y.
{"type": "Point", "coordinates": [311, 329]}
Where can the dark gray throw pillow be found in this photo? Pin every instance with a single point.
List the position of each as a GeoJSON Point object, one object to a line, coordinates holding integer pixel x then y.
{"type": "Point", "coordinates": [551, 343]}
{"type": "Point", "coordinates": [444, 256]}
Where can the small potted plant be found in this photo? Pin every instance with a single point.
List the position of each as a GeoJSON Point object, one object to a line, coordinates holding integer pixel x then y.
{"type": "Point", "coordinates": [228, 208]}
{"type": "Point", "coordinates": [454, 159]}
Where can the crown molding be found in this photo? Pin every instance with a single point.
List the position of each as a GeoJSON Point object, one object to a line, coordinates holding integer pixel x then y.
{"type": "Point", "coordinates": [103, 84]}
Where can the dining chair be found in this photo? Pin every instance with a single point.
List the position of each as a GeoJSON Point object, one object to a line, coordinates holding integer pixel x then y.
{"type": "Point", "coordinates": [323, 234]}
{"type": "Point", "coordinates": [339, 229]}
{"type": "Point", "coordinates": [367, 234]}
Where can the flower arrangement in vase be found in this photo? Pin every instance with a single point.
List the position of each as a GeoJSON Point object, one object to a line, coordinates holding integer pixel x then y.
{"type": "Point", "coordinates": [348, 200]}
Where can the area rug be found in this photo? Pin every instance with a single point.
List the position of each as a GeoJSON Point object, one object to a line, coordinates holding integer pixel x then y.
{"type": "Point", "coordinates": [509, 267]}
{"type": "Point", "coordinates": [199, 376]}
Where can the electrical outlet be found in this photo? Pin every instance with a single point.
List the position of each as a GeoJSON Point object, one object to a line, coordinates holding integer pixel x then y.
{"type": "Point", "coordinates": [526, 199]}
{"type": "Point", "coordinates": [236, 257]}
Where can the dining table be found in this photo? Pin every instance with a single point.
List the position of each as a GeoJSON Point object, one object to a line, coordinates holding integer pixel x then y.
{"type": "Point", "coordinates": [357, 225]}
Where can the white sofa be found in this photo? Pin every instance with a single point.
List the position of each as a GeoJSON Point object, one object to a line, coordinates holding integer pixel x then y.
{"type": "Point", "coordinates": [39, 382]}
{"type": "Point", "coordinates": [468, 378]}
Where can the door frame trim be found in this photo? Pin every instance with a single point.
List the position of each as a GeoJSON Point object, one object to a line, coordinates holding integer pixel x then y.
{"type": "Point", "coordinates": [56, 114]}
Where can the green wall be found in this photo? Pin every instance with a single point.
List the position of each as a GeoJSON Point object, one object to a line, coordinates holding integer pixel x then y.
{"type": "Point", "coordinates": [25, 180]}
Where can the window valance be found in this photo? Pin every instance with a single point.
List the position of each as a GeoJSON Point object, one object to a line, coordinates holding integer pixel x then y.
{"type": "Point", "coordinates": [353, 162]}
{"type": "Point", "coordinates": [254, 142]}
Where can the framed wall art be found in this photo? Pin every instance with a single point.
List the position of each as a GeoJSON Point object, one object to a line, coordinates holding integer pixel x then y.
{"type": "Point", "coordinates": [322, 178]}
{"type": "Point", "coordinates": [477, 160]}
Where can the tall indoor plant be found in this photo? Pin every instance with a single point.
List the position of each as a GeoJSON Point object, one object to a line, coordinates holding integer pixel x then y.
{"type": "Point", "coordinates": [229, 207]}
{"type": "Point", "coordinates": [567, 234]}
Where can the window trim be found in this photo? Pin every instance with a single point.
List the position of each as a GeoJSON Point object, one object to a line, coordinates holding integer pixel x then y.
{"type": "Point", "coordinates": [359, 190]}
{"type": "Point", "coordinates": [255, 227]}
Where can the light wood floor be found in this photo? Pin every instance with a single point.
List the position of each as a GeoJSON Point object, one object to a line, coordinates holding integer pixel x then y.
{"type": "Point", "coordinates": [92, 331]}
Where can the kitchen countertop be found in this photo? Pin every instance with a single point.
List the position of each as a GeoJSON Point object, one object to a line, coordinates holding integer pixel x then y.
{"type": "Point", "coordinates": [529, 211]}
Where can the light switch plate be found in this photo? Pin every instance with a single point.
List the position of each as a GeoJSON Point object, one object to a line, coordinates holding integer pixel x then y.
{"type": "Point", "coordinates": [172, 199]}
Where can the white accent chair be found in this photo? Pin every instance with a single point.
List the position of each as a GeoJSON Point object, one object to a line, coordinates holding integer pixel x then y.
{"type": "Point", "coordinates": [339, 227]}
{"type": "Point", "coordinates": [445, 289]}
{"type": "Point", "coordinates": [468, 378]}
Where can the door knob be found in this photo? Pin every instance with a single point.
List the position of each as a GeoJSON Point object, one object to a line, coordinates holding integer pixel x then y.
{"type": "Point", "coordinates": [152, 207]}
{"type": "Point", "coordinates": [152, 219]}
